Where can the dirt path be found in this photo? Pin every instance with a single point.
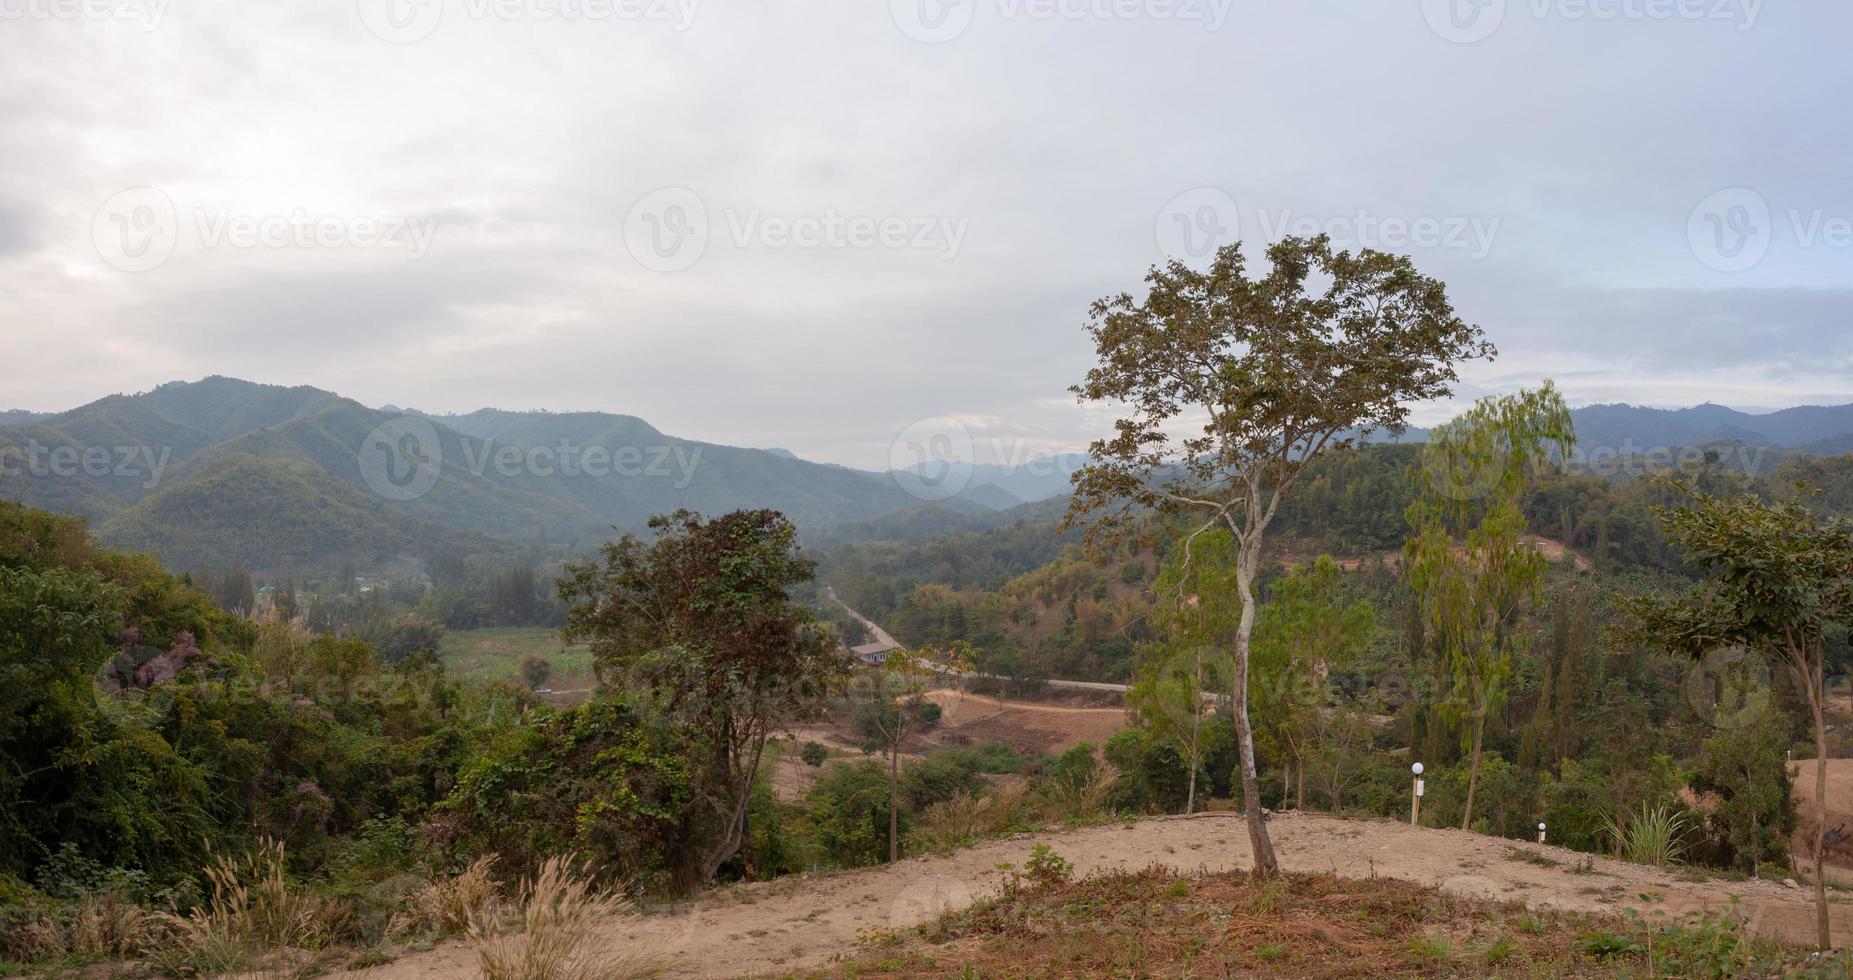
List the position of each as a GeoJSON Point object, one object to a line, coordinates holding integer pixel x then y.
{"type": "Point", "coordinates": [775, 927]}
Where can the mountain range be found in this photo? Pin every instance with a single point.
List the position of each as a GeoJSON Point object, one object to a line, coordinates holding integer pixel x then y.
{"type": "Point", "coordinates": [224, 472]}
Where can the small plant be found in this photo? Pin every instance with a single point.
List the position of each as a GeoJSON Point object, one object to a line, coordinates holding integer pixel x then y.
{"type": "Point", "coordinates": [1047, 868]}
{"type": "Point", "coordinates": [1655, 836]}
{"type": "Point", "coordinates": [1499, 951]}
{"type": "Point", "coordinates": [447, 907]}
{"type": "Point", "coordinates": [557, 936]}
{"type": "Point", "coordinates": [814, 754]}
{"type": "Point", "coordinates": [1603, 945]}
{"type": "Point", "coordinates": [1270, 952]}
{"type": "Point", "coordinates": [97, 927]}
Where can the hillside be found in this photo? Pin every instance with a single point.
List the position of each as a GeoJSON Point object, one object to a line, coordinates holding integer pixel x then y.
{"type": "Point", "coordinates": [800, 924]}
{"type": "Point", "coordinates": [240, 471]}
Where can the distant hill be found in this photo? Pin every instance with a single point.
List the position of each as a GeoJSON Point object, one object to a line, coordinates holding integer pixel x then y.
{"type": "Point", "coordinates": [14, 416]}
{"type": "Point", "coordinates": [224, 471]}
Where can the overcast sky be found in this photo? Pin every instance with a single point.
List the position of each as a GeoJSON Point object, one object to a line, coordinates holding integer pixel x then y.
{"type": "Point", "coordinates": [810, 224]}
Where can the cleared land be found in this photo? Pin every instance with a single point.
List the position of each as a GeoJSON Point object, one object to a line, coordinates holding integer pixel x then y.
{"type": "Point", "coordinates": [495, 655]}
{"type": "Point", "coordinates": [805, 923]}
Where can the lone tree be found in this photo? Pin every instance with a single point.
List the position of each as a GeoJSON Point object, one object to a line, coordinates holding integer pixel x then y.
{"type": "Point", "coordinates": [1473, 571]}
{"type": "Point", "coordinates": [1779, 583]}
{"type": "Point", "coordinates": [897, 707]}
{"type": "Point", "coordinates": [1264, 375]}
{"type": "Point", "coordinates": [703, 621]}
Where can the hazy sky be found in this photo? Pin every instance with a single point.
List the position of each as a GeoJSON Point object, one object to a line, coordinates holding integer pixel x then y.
{"type": "Point", "coordinates": [810, 224]}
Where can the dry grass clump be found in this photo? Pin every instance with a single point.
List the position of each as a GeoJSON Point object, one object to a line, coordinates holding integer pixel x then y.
{"type": "Point", "coordinates": [968, 817]}
{"type": "Point", "coordinates": [557, 937]}
{"type": "Point", "coordinates": [106, 926]}
{"type": "Point", "coordinates": [253, 916]}
{"type": "Point", "coordinates": [448, 906]}
{"type": "Point", "coordinates": [1083, 796]}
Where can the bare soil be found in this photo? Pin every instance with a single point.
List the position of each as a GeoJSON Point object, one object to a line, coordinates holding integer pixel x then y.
{"type": "Point", "coordinates": [777, 927]}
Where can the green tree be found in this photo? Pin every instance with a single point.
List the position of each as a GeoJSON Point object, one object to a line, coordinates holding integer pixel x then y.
{"type": "Point", "coordinates": [702, 619]}
{"type": "Point", "coordinates": [1778, 583]}
{"type": "Point", "coordinates": [1273, 371]}
{"type": "Point", "coordinates": [1173, 693]}
{"type": "Point", "coordinates": [1303, 634]}
{"type": "Point", "coordinates": [1473, 570]}
{"type": "Point", "coordinates": [896, 706]}
{"type": "Point", "coordinates": [1746, 766]}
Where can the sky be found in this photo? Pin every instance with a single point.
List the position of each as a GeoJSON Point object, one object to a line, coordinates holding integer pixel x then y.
{"type": "Point", "coordinates": [822, 225]}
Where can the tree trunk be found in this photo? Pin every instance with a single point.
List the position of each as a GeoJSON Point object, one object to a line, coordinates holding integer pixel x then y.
{"type": "Point", "coordinates": [1816, 695]}
{"type": "Point", "coordinates": [1286, 783]}
{"type": "Point", "coordinates": [1473, 772]}
{"type": "Point", "coordinates": [1190, 800]}
{"type": "Point", "coordinates": [1258, 842]}
{"type": "Point", "coordinates": [894, 804]}
{"type": "Point", "coordinates": [1299, 785]}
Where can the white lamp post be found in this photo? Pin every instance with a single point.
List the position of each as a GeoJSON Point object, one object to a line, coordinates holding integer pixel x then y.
{"type": "Point", "coordinates": [1415, 797]}
{"type": "Point", "coordinates": [1540, 831]}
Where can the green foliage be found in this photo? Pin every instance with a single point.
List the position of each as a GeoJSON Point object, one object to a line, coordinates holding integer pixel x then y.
{"type": "Point", "coordinates": [1468, 561]}
{"type": "Point", "coordinates": [607, 779]}
{"type": "Point", "coordinates": [814, 753]}
{"type": "Point", "coordinates": [1746, 767]}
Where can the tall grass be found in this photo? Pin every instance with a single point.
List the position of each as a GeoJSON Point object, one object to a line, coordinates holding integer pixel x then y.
{"type": "Point", "coordinates": [558, 935]}
{"type": "Point", "coordinates": [1655, 835]}
{"type": "Point", "coordinates": [106, 926]}
{"type": "Point", "coordinates": [1082, 796]}
{"type": "Point", "coordinates": [253, 916]}
{"type": "Point", "coordinates": [447, 907]}
{"type": "Point", "coordinates": [967, 817]}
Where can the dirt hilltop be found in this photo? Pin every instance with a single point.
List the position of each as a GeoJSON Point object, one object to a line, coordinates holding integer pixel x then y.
{"type": "Point", "coordinates": [775, 927]}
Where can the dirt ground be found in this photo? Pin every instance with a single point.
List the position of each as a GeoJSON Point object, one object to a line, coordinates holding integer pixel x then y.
{"type": "Point", "coordinates": [1030, 727]}
{"type": "Point", "coordinates": [772, 928]}
{"type": "Point", "coordinates": [1839, 818]}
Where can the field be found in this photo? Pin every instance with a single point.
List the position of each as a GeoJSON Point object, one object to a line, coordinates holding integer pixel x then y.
{"type": "Point", "coordinates": [491, 655]}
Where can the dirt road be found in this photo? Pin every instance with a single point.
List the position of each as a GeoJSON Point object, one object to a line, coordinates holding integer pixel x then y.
{"type": "Point", "coordinates": [775, 927]}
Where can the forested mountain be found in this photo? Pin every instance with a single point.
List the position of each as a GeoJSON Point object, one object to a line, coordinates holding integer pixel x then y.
{"type": "Point", "coordinates": [14, 416]}
{"type": "Point", "coordinates": [225, 471]}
